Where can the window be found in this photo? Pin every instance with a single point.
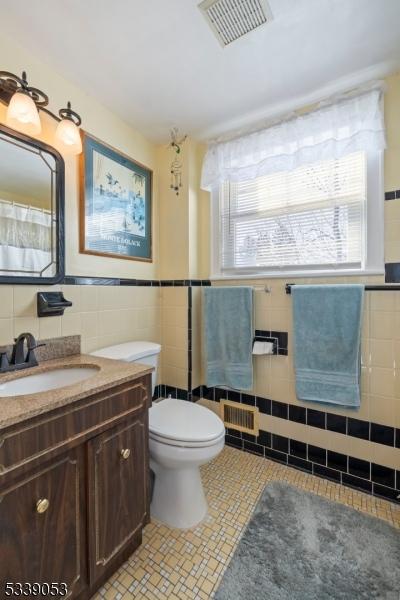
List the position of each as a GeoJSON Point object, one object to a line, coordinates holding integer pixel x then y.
{"type": "Point", "coordinates": [311, 219]}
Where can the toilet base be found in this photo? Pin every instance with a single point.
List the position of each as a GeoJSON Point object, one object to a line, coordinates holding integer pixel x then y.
{"type": "Point", "coordinates": [178, 498]}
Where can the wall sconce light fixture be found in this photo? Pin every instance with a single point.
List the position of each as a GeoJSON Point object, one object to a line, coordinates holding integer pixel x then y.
{"type": "Point", "coordinates": [176, 165]}
{"type": "Point", "coordinates": [24, 103]}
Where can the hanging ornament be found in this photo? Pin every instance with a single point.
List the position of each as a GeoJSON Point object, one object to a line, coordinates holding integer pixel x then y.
{"type": "Point", "coordinates": [176, 165]}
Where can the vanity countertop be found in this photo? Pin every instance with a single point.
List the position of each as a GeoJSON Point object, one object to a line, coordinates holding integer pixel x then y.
{"type": "Point", "coordinates": [16, 409]}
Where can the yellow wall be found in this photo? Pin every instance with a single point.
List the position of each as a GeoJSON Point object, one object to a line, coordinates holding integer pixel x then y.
{"type": "Point", "coordinates": [183, 219]}
{"type": "Point", "coordinates": [103, 124]}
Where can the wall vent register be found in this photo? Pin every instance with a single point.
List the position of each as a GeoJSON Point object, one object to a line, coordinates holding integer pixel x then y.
{"type": "Point", "coordinates": [241, 418]}
{"type": "Point", "coordinates": [232, 19]}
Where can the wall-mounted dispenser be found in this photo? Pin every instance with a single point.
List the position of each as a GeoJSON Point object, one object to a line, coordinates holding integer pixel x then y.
{"type": "Point", "coordinates": [51, 304]}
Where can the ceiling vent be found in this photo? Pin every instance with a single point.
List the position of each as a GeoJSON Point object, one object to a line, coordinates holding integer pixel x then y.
{"type": "Point", "coordinates": [232, 19]}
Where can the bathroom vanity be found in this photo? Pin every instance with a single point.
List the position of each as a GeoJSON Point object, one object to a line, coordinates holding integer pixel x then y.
{"type": "Point", "coordinates": [74, 485]}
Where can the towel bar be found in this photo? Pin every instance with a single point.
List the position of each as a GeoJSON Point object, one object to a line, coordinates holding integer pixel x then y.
{"type": "Point", "coordinates": [368, 288]}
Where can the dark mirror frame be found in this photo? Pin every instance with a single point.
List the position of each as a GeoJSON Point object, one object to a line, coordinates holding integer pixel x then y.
{"type": "Point", "coordinates": [59, 208]}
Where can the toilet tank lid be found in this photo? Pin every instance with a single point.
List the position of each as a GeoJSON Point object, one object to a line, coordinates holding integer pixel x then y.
{"type": "Point", "coordinates": [128, 351]}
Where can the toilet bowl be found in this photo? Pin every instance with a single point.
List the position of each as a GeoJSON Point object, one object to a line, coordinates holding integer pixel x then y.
{"type": "Point", "coordinates": [183, 436]}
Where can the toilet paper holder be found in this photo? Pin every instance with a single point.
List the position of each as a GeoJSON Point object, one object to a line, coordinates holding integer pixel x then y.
{"type": "Point", "coordinates": [274, 340]}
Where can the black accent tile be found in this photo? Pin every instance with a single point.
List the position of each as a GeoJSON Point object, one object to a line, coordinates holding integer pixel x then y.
{"type": "Point", "coordinates": [281, 443]}
{"type": "Point", "coordinates": [357, 483]}
{"type": "Point", "coordinates": [387, 493]}
{"type": "Point", "coordinates": [357, 428]}
{"type": "Point", "coordinates": [397, 440]}
{"type": "Point", "coordinates": [336, 423]}
{"type": "Point", "coordinates": [143, 282]}
{"type": "Point", "coordinates": [337, 461]}
{"type": "Point", "coordinates": [298, 449]}
{"type": "Point", "coordinates": [233, 396]}
{"type": "Point", "coordinates": [248, 437]}
{"type": "Point", "coordinates": [298, 414]}
{"type": "Point", "coordinates": [249, 400]}
{"type": "Point", "coordinates": [390, 195]}
{"type": "Point", "coordinates": [264, 405]}
{"type": "Point", "coordinates": [178, 282]}
{"type": "Point", "coordinates": [167, 283]}
{"type": "Point", "coordinates": [255, 448]}
{"type": "Point", "coordinates": [326, 473]}
{"type": "Point", "coordinates": [208, 393]}
{"type": "Point", "coordinates": [233, 441]}
{"type": "Point", "coordinates": [274, 455]}
{"type": "Point", "coordinates": [220, 394]}
{"type": "Point", "coordinates": [382, 475]}
{"type": "Point", "coordinates": [198, 392]}
{"type": "Point", "coordinates": [381, 434]}
{"type": "Point", "coordinates": [392, 272]}
{"type": "Point", "coordinates": [299, 463]}
{"type": "Point", "coordinates": [398, 480]}
{"type": "Point", "coordinates": [123, 282]}
{"type": "Point", "coordinates": [397, 194]}
{"type": "Point", "coordinates": [233, 432]}
{"type": "Point", "coordinates": [264, 438]}
{"type": "Point", "coordinates": [361, 468]}
{"type": "Point", "coordinates": [170, 390]}
{"type": "Point", "coordinates": [279, 409]}
{"type": "Point", "coordinates": [316, 418]}
{"type": "Point", "coordinates": [316, 455]}
{"type": "Point", "coordinates": [181, 394]}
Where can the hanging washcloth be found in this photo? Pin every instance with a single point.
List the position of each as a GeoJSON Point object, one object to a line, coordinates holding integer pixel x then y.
{"type": "Point", "coordinates": [327, 333]}
{"type": "Point", "coordinates": [228, 336]}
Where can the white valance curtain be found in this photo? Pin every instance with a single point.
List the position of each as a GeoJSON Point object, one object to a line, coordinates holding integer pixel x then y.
{"type": "Point", "coordinates": [351, 124]}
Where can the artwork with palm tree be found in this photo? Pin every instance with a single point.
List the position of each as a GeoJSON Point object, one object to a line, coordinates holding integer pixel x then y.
{"type": "Point", "coordinates": [115, 203]}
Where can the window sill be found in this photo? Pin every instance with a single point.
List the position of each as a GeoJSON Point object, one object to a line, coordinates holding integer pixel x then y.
{"type": "Point", "coordinates": [300, 274]}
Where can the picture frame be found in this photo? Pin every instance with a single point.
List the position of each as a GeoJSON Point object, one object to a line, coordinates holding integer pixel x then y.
{"type": "Point", "coordinates": [115, 217]}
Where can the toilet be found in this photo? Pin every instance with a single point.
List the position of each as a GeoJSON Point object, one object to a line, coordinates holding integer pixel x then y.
{"type": "Point", "coordinates": [182, 437]}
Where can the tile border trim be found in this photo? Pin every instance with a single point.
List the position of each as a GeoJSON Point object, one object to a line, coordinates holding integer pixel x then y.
{"type": "Point", "coordinates": [305, 415]}
{"type": "Point", "coordinates": [371, 478]}
{"type": "Point", "coordinates": [392, 195]}
{"type": "Point", "coordinates": [92, 280]}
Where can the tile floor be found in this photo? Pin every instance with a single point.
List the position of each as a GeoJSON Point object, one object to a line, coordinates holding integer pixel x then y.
{"type": "Point", "coordinates": [189, 564]}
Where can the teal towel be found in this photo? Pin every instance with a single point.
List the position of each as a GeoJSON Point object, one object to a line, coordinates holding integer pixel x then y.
{"type": "Point", "coordinates": [327, 333]}
{"type": "Point", "coordinates": [228, 336]}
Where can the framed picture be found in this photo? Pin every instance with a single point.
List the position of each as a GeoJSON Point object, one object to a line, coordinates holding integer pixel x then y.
{"type": "Point", "coordinates": [115, 203]}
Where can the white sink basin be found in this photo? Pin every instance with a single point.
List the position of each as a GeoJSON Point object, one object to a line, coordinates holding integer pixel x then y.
{"type": "Point", "coordinates": [49, 380]}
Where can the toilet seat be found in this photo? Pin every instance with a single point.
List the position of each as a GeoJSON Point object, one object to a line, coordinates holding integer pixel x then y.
{"type": "Point", "coordinates": [185, 444]}
{"type": "Point", "coordinates": [184, 424]}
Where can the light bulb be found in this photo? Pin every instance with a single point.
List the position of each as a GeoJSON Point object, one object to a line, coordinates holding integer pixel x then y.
{"type": "Point", "coordinates": [68, 137]}
{"type": "Point", "coordinates": [23, 115]}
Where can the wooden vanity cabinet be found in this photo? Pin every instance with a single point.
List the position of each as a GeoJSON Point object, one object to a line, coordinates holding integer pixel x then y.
{"type": "Point", "coordinates": [72, 507]}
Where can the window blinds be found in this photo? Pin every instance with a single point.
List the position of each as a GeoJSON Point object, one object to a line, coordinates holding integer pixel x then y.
{"type": "Point", "coordinates": [310, 217]}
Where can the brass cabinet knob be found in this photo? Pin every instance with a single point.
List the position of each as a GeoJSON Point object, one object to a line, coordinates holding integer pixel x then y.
{"type": "Point", "coordinates": [42, 505]}
{"type": "Point", "coordinates": [125, 453]}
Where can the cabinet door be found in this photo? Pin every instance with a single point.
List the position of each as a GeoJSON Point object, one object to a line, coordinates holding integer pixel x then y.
{"type": "Point", "coordinates": [118, 492]}
{"type": "Point", "coordinates": [42, 526]}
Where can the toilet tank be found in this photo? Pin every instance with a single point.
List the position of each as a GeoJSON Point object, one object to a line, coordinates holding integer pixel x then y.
{"type": "Point", "coordinates": [142, 352]}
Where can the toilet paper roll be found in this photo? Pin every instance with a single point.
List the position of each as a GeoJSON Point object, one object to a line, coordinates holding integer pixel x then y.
{"type": "Point", "coordinates": [263, 348]}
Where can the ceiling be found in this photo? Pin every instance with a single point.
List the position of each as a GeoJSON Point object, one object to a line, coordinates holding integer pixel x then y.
{"type": "Point", "coordinates": [157, 64]}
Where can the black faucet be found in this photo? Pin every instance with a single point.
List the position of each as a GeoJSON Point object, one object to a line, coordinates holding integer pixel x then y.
{"type": "Point", "coordinates": [19, 358]}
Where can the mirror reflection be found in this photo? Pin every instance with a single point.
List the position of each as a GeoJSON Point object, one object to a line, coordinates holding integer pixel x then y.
{"type": "Point", "coordinates": [27, 210]}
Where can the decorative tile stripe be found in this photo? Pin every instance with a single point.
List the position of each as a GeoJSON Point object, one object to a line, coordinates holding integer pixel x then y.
{"type": "Point", "coordinates": [392, 272]}
{"type": "Point", "coordinates": [365, 430]}
{"type": "Point", "coordinates": [163, 391]}
{"type": "Point", "coordinates": [355, 473]}
{"type": "Point", "coordinates": [80, 280]}
{"type": "Point", "coordinates": [189, 345]}
{"type": "Point", "coordinates": [394, 195]}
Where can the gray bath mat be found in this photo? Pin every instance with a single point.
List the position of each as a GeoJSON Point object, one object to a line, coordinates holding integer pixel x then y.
{"type": "Point", "coordinates": [299, 546]}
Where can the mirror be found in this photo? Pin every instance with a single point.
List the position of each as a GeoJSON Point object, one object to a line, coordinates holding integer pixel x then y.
{"type": "Point", "coordinates": [31, 210]}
